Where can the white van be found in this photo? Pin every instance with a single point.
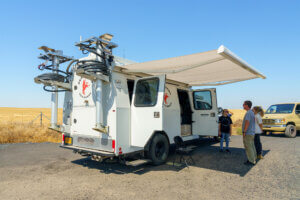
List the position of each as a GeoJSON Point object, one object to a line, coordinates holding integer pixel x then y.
{"type": "Point", "coordinates": [115, 108]}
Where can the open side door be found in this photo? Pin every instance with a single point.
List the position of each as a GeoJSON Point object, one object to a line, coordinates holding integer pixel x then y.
{"type": "Point", "coordinates": [146, 109]}
{"type": "Point", "coordinates": [205, 116]}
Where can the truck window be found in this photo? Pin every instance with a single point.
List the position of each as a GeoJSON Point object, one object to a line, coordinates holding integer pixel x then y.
{"type": "Point", "coordinates": [146, 92]}
{"type": "Point", "coordinates": [202, 100]}
{"type": "Point", "coordinates": [280, 109]}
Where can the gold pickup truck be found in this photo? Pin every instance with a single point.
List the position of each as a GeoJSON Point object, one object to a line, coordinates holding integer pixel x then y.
{"type": "Point", "coordinates": [282, 118]}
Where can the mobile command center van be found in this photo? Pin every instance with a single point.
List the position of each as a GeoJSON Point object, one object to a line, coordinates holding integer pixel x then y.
{"type": "Point", "coordinates": [115, 108]}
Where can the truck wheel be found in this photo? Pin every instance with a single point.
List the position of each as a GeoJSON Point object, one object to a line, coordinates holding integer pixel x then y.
{"type": "Point", "coordinates": [159, 149]}
{"type": "Point", "coordinates": [290, 131]}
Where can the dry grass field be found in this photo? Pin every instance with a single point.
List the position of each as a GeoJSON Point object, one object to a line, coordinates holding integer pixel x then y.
{"type": "Point", "coordinates": [237, 119]}
{"type": "Point", "coordinates": [24, 125]}
{"type": "Point", "coordinates": [26, 115]}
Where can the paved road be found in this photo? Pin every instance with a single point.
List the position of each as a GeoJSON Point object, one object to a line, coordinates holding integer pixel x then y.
{"type": "Point", "coordinates": [45, 171]}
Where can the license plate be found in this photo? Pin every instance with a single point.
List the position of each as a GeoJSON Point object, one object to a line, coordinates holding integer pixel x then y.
{"type": "Point", "coordinates": [68, 140]}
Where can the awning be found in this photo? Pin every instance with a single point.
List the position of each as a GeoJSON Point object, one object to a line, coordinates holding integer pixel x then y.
{"type": "Point", "coordinates": [216, 67]}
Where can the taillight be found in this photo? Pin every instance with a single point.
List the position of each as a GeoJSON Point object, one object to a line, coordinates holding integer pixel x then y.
{"type": "Point", "coordinates": [113, 145]}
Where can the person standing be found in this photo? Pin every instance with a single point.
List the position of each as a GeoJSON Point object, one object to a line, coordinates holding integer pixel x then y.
{"type": "Point", "coordinates": [259, 113]}
{"type": "Point", "coordinates": [225, 129]}
{"type": "Point", "coordinates": [248, 129]}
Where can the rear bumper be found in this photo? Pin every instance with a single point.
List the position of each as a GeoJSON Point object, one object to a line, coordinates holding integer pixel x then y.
{"type": "Point", "coordinates": [88, 151]}
{"type": "Point", "coordinates": [274, 128]}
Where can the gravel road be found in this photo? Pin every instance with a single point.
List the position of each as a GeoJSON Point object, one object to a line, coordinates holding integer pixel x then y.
{"type": "Point", "coordinates": [45, 171]}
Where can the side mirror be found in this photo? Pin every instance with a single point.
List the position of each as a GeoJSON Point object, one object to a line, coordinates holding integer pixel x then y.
{"type": "Point", "coordinates": [297, 111]}
{"type": "Point", "coordinates": [220, 110]}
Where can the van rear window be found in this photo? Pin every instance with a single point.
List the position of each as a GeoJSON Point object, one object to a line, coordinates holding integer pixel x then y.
{"type": "Point", "coordinates": [202, 100]}
{"type": "Point", "coordinates": [146, 92]}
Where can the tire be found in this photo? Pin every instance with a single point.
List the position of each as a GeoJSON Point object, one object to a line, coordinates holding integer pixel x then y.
{"type": "Point", "coordinates": [159, 149]}
{"type": "Point", "coordinates": [264, 133]}
{"type": "Point", "coordinates": [290, 131]}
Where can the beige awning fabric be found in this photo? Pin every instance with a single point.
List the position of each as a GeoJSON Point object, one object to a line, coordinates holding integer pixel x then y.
{"type": "Point", "coordinates": [216, 67]}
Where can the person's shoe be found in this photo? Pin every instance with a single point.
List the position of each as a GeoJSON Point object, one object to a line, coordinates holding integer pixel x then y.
{"type": "Point", "coordinates": [260, 156]}
{"type": "Point", "coordinates": [221, 150]}
{"type": "Point", "coordinates": [249, 163]}
{"type": "Point", "coordinates": [227, 150]}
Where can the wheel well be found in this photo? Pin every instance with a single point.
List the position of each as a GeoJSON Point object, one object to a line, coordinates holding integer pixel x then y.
{"type": "Point", "coordinates": [292, 123]}
{"type": "Point", "coordinates": [147, 146]}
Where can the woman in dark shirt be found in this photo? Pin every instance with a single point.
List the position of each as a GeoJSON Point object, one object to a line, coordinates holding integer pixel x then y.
{"type": "Point", "coordinates": [225, 129]}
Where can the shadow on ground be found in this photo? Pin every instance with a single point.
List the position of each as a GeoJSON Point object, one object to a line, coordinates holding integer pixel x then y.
{"type": "Point", "coordinates": [281, 135]}
{"type": "Point", "coordinates": [206, 156]}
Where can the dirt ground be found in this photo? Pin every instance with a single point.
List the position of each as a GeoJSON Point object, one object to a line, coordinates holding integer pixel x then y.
{"type": "Point", "coordinates": [45, 171]}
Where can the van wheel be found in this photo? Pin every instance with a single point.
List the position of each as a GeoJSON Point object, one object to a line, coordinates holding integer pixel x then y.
{"type": "Point", "coordinates": [290, 131]}
{"type": "Point", "coordinates": [159, 149]}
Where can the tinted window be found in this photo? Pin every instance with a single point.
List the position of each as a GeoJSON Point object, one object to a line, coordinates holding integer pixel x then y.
{"type": "Point", "coordinates": [298, 107]}
{"type": "Point", "coordinates": [146, 92]}
{"type": "Point", "coordinates": [130, 84]}
{"type": "Point", "coordinates": [202, 100]}
{"type": "Point", "coordinates": [280, 109]}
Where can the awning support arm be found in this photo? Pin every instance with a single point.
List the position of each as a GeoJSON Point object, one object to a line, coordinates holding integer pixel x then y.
{"type": "Point", "coordinates": [222, 83]}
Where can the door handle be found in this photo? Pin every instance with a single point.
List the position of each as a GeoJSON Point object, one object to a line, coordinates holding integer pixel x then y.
{"type": "Point", "coordinates": [204, 114]}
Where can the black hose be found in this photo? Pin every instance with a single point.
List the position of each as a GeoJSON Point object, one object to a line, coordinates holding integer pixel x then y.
{"type": "Point", "coordinates": [52, 77]}
{"type": "Point", "coordinates": [52, 89]}
{"type": "Point", "coordinates": [69, 65]}
{"type": "Point", "coordinates": [93, 66]}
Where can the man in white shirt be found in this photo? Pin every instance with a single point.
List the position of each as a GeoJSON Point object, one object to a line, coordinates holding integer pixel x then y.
{"type": "Point", "coordinates": [259, 113]}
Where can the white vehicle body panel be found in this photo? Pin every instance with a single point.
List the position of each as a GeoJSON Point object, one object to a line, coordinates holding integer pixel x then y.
{"type": "Point", "coordinates": [131, 127]}
{"type": "Point", "coordinates": [171, 111]}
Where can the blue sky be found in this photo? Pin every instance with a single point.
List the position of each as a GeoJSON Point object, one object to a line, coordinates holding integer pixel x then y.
{"type": "Point", "coordinates": [264, 33]}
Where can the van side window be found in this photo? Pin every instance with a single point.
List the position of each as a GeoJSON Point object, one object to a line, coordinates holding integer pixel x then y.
{"type": "Point", "coordinates": [202, 100]}
{"type": "Point", "coordinates": [146, 92]}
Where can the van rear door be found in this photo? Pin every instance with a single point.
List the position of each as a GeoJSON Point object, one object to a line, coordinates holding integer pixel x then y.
{"type": "Point", "coordinates": [205, 116]}
{"type": "Point", "coordinates": [146, 109]}
{"type": "Point", "coordinates": [83, 117]}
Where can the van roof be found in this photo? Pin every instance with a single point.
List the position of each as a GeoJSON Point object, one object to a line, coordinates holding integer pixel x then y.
{"type": "Point", "coordinates": [216, 67]}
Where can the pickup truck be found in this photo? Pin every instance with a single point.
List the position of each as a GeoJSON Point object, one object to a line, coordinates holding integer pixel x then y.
{"type": "Point", "coordinates": [282, 118]}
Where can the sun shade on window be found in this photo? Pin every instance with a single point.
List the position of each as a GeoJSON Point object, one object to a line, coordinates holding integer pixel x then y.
{"type": "Point", "coordinates": [146, 92]}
